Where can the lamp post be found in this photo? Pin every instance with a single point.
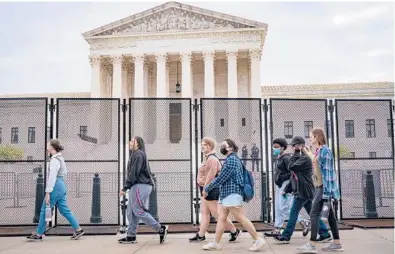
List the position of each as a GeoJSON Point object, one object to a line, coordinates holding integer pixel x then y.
{"type": "Point", "coordinates": [178, 85]}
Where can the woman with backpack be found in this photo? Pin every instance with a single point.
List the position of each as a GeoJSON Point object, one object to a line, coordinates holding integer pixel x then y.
{"type": "Point", "coordinates": [231, 182]}
{"type": "Point", "coordinates": [208, 170]}
{"type": "Point", "coordinates": [56, 193]}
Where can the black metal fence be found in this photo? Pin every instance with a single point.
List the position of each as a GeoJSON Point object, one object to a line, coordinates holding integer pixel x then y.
{"type": "Point", "coordinates": [95, 133]}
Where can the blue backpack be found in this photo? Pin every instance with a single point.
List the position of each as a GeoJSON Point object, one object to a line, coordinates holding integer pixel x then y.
{"type": "Point", "coordinates": [248, 187]}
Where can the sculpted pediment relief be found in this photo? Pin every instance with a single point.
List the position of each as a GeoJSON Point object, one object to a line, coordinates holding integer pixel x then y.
{"type": "Point", "coordinates": [173, 20]}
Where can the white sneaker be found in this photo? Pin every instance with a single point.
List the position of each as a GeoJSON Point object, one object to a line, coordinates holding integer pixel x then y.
{"type": "Point", "coordinates": [212, 246]}
{"type": "Point", "coordinates": [258, 244]}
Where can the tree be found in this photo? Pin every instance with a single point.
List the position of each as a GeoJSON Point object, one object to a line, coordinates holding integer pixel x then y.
{"type": "Point", "coordinates": [8, 152]}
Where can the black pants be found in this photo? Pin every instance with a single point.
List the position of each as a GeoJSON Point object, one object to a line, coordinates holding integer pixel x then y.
{"type": "Point", "coordinates": [315, 215]}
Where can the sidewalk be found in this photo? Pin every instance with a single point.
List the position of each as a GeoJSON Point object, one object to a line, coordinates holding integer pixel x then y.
{"type": "Point", "coordinates": [354, 241]}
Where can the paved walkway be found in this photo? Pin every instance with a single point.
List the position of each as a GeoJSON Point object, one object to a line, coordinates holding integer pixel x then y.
{"type": "Point", "coordinates": [354, 241]}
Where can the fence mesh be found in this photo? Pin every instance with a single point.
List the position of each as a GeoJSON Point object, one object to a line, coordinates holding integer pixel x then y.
{"type": "Point", "coordinates": [240, 120]}
{"type": "Point", "coordinates": [23, 126]}
{"type": "Point", "coordinates": [365, 143]}
{"type": "Point", "coordinates": [165, 125]}
{"type": "Point", "coordinates": [90, 132]}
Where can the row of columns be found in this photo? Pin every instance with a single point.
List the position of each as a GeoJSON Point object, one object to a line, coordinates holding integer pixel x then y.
{"type": "Point", "coordinates": [186, 81]}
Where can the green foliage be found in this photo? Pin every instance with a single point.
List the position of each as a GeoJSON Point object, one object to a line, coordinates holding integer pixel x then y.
{"type": "Point", "coordinates": [9, 152]}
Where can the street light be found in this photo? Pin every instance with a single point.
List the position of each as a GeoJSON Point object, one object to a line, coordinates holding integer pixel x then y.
{"type": "Point", "coordinates": [178, 85]}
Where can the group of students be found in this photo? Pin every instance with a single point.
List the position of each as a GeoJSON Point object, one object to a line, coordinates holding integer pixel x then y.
{"type": "Point", "coordinates": [310, 178]}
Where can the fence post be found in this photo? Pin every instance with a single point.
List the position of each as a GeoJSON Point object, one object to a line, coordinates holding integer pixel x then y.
{"type": "Point", "coordinates": [371, 209]}
{"type": "Point", "coordinates": [153, 200]}
{"type": "Point", "coordinates": [39, 197]}
{"type": "Point", "coordinates": [96, 200]}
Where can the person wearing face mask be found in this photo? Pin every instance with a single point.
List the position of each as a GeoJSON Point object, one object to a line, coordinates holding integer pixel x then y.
{"type": "Point", "coordinates": [281, 178]}
{"type": "Point", "coordinates": [230, 180]}
{"type": "Point", "coordinates": [301, 185]}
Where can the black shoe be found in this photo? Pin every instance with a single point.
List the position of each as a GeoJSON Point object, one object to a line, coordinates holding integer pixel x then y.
{"type": "Point", "coordinates": [128, 240]}
{"type": "Point", "coordinates": [233, 236]}
{"type": "Point", "coordinates": [273, 233]}
{"type": "Point", "coordinates": [281, 239]}
{"type": "Point", "coordinates": [77, 234]}
{"type": "Point", "coordinates": [197, 238]}
{"type": "Point", "coordinates": [163, 233]}
{"type": "Point", "coordinates": [324, 239]}
{"type": "Point", "coordinates": [34, 237]}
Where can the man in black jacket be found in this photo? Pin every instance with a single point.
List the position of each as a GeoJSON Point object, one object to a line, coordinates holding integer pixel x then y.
{"type": "Point", "coordinates": [301, 185]}
{"type": "Point", "coordinates": [140, 183]}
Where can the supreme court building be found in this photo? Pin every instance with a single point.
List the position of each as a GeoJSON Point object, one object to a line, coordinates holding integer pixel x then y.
{"type": "Point", "coordinates": [209, 54]}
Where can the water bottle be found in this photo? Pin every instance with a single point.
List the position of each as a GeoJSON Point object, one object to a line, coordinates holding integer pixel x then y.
{"type": "Point", "coordinates": [48, 213]}
{"type": "Point", "coordinates": [325, 210]}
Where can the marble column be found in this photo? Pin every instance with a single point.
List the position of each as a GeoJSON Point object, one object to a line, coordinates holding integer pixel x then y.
{"type": "Point", "coordinates": [209, 77]}
{"type": "Point", "coordinates": [161, 78]}
{"type": "Point", "coordinates": [255, 86]}
{"type": "Point", "coordinates": [95, 76]}
{"type": "Point", "coordinates": [138, 75]}
{"type": "Point", "coordinates": [186, 86]}
{"type": "Point", "coordinates": [231, 56]}
{"type": "Point", "coordinates": [117, 76]}
{"type": "Point", "coordinates": [162, 106]}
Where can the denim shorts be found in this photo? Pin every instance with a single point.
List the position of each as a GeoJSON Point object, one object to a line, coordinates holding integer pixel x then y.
{"type": "Point", "coordinates": [232, 200]}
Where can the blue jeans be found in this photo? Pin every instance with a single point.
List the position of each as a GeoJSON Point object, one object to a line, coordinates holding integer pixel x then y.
{"type": "Point", "coordinates": [58, 197]}
{"type": "Point", "coordinates": [297, 205]}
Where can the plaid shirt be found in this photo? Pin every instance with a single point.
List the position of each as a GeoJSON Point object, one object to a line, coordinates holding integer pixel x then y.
{"type": "Point", "coordinates": [329, 178]}
{"type": "Point", "coordinates": [229, 179]}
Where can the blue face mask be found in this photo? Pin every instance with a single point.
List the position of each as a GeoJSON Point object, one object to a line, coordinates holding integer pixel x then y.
{"type": "Point", "coordinates": [276, 151]}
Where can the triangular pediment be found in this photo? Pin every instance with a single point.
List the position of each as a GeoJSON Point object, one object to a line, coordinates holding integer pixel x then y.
{"type": "Point", "coordinates": [173, 17]}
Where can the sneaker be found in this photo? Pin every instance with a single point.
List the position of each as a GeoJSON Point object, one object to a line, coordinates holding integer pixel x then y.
{"type": "Point", "coordinates": [77, 234]}
{"type": "Point", "coordinates": [163, 233]}
{"type": "Point", "coordinates": [333, 247]}
{"type": "Point", "coordinates": [306, 227]}
{"type": "Point", "coordinates": [197, 238]}
{"type": "Point", "coordinates": [307, 248]}
{"type": "Point", "coordinates": [212, 246]}
{"type": "Point", "coordinates": [128, 240]}
{"type": "Point", "coordinates": [324, 239]}
{"type": "Point", "coordinates": [233, 236]}
{"type": "Point", "coordinates": [281, 239]}
{"type": "Point", "coordinates": [257, 245]}
{"type": "Point", "coordinates": [34, 237]}
{"type": "Point", "coordinates": [272, 233]}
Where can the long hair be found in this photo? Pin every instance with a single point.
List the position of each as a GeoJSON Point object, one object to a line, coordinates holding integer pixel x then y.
{"type": "Point", "coordinates": [140, 142]}
{"type": "Point", "coordinates": [319, 134]}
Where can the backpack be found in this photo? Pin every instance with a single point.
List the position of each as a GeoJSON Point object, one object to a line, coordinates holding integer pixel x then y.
{"type": "Point", "coordinates": [248, 187]}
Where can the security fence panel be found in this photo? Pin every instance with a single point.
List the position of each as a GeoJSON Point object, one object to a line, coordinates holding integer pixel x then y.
{"type": "Point", "coordinates": [23, 137]}
{"type": "Point", "coordinates": [294, 117]}
{"type": "Point", "coordinates": [365, 145]}
{"type": "Point", "coordinates": [240, 120]}
{"type": "Point", "coordinates": [89, 129]}
{"type": "Point", "coordinates": [166, 128]}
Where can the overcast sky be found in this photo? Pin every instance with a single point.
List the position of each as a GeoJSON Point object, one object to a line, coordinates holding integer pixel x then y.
{"type": "Point", "coordinates": [42, 50]}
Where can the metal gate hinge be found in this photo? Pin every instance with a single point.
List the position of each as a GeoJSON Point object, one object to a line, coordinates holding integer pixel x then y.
{"type": "Point", "coordinates": [330, 108]}
{"type": "Point", "coordinates": [195, 107]}
{"type": "Point", "coordinates": [124, 107]}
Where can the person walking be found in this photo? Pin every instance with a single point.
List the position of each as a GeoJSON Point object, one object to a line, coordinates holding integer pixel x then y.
{"type": "Point", "coordinates": [140, 184]}
{"type": "Point", "coordinates": [301, 185]}
{"type": "Point", "coordinates": [209, 169]}
{"type": "Point", "coordinates": [230, 181]}
{"type": "Point", "coordinates": [326, 189]}
{"type": "Point", "coordinates": [56, 193]}
{"type": "Point", "coordinates": [281, 178]}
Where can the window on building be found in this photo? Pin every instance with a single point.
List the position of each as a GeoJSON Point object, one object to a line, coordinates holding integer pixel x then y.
{"type": "Point", "coordinates": [370, 128]}
{"type": "Point", "coordinates": [243, 122]}
{"type": "Point", "coordinates": [31, 137]}
{"type": "Point", "coordinates": [372, 155]}
{"type": "Point", "coordinates": [389, 127]}
{"type": "Point", "coordinates": [308, 126]}
{"type": "Point", "coordinates": [175, 117]}
{"type": "Point", "coordinates": [350, 129]}
{"type": "Point", "coordinates": [14, 135]}
{"type": "Point", "coordinates": [222, 122]}
{"type": "Point", "coordinates": [288, 129]}
{"type": "Point", "coordinates": [30, 158]}
{"type": "Point", "coordinates": [83, 130]}
{"type": "Point", "coordinates": [1, 134]}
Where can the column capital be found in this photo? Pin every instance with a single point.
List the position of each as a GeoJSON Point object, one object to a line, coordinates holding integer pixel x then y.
{"type": "Point", "coordinates": [139, 58]}
{"type": "Point", "coordinates": [231, 54]}
{"type": "Point", "coordinates": [208, 55]}
{"type": "Point", "coordinates": [187, 55]}
{"type": "Point", "coordinates": [95, 61]}
{"type": "Point", "coordinates": [117, 60]}
{"type": "Point", "coordinates": [255, 54]}
{"type": "Point", "coordinates": [161, 57]}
